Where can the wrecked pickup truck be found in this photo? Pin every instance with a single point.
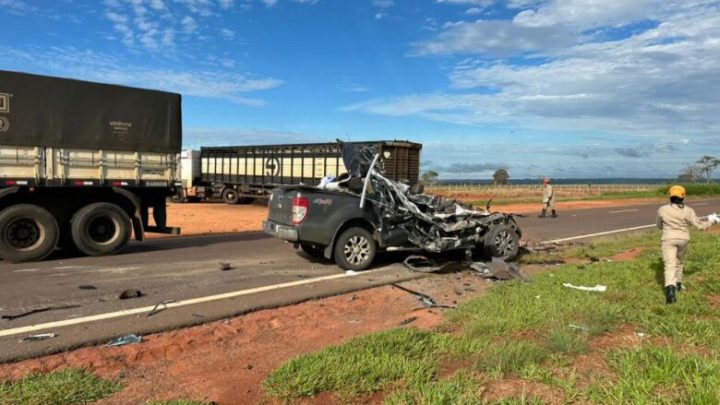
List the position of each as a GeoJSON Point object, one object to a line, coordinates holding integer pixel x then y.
{"type": "Point", "coordinates": [352, 217]}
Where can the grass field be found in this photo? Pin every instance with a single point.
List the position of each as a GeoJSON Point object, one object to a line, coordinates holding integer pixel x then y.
{"type": "Point", "coordinates": [541, 342]}
{"type": "Point", "coordinates": [511, 194]}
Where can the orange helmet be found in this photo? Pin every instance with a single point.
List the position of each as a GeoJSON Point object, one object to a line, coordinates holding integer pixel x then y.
{"type": "Point", "coordinates": [677, 191]}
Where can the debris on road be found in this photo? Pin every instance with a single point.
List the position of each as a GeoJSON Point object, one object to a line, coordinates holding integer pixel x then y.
{"type": "Point", "coordinates": [159, 307]}
{"type": "Point", "coordinates": [125, 340]}
{"type": "Point", "coordinates": [423, 264]}
{"type": "Point", "coordinates": [41, 336]}
{"type": "Point", "coordinates": [426, 300]}
{"type": "Point", "coordinates": [87, 287]}
{"type": "Point", "coordinates": [352, 298]}
{"type": "Point", "coordinates": [35, 311]}
{"type": "Point", "coordinates": [130, 293]}
{"type": "Point", "coordinates": [408, 320]}
{"type": "Point", "coordinates": [499, 269]}
{"type": "Point", "coordinates": [222, 266]}
{"type": "Point", "coordinates": [596, 288]}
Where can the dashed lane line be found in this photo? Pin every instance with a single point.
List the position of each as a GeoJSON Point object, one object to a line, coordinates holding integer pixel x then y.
{"type": "Point", "coordinates": [135, 311]}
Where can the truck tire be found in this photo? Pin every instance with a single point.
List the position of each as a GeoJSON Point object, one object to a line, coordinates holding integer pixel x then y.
{"type": "Point", "coordinates": [27, 233]}
{"type": "Point", "coordinates": [100, 229]}
{"type": "Point", "coordinates": [230, 196]}
{"type": "Point", "coordinates": [502, 241]}
{"type": "Point", "coordinates": [178, 197]}
{"type": "Point", "coordinates": [355, 249]}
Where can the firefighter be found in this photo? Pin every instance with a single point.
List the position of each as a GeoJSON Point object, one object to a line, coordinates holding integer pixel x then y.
{"type": "Point", "coordinates": [675, 219]}
{"type": "Point", "coordinates": [548, 199]}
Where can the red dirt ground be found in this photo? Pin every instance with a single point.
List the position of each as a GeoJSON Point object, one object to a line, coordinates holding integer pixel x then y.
{"type": "Point", "coordinates": [226, 361]}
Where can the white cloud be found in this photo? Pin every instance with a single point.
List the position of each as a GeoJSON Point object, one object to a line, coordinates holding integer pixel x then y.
{"type": "Point", "coordinates": [659, 82]}
{"type": "Point", "coordinates": [16, 6]}
{"type": "Point", "coordinates": [189, 24]}
{"type": "Point", "coordinates": [481, 3]}
{"type": "Point", "coordinates": [227, 33]}
{"type": "Point", "coordinates": [89, 65]}
{"type": "Point", "coordinates": [493, 37]}
{"type": "Point", "coordinates": [473, 11]}
{"type": "Point", "coordinates": [383, 3]}
{"type": "Point", "coordinates": [226, 4]}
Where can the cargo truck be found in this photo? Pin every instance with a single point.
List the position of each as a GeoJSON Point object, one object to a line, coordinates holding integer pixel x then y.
{"type": "Point", "coordinates": [240, 174]}
{"type": "Point", "coordinates": [83, 165]}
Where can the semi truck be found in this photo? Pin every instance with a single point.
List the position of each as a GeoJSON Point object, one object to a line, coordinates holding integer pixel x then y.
{"type": "Point", "coordinates": [240, 174]}
{"type": "Point", "coordinates": [83, 165]}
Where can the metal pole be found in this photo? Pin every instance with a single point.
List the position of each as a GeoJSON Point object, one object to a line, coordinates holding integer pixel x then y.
{"type": "Point", "coordinates": [367, 181]}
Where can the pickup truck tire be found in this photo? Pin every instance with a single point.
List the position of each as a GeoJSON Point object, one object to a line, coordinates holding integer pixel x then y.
{"type": "Point", "coordinates": [100, 229]}
{"type": "Point", "coordinates": [27, 233]}
{"type": "Point", "coordinates": [230, 196]}
{"type": "Point", "coordinates": [502, 241]}
{"type": "Point", "coordinates": [355, 249]}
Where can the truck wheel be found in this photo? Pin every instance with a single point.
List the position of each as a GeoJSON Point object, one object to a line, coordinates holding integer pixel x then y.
{"type": "Point", "coordinates": [27, 233]}
{"type": "Point", "coordinates": [230, 196]}
{"type": "Point", "coordinates": [502, 241]}
{"type": "Point", "coordinates": [178, 197]}
{"type": "Point", "coordinates": [355, 249]}
{"type": "Point", "coordinates": [100, 229]}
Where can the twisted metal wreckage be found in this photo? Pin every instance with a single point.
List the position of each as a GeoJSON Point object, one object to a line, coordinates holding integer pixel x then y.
{"type": "Point", "coordinates": [434, 224]}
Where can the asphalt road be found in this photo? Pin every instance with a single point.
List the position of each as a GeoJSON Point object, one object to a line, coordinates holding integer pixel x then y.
{"type": "Point", "coordinates": [265, 272]}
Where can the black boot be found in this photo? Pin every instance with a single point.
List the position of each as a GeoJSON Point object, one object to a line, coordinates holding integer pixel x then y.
{"type": "Point", "coordinates": [542, 215]}
{"type": "Point", "coordinates": [679, 286]}
{"type": "Point", "coordinates": [670, 294]}
{"type": "Point", "coordinates": [554, 215]}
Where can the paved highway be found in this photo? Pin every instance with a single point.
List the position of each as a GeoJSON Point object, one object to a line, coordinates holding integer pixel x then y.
{"type": "Point", "coordinates": [184, 273]}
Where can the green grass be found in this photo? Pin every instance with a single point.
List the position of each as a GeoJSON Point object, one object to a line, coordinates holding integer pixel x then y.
{"type": "Point", "coordinates": [68, 386]}
{"type": "Point", "coordinates": [523, 330]}
{"type": "Point", "coordinates": [662, 375]}
{"type": "Point", "coordinates": [461, 389]}
{"type": "Point", "coordinates": [512, 357]}
{"type": "Point", "coordinates": [362, 365]}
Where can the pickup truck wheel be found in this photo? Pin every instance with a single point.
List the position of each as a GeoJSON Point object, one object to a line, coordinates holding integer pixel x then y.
{"type": "Point", "coordinates": [230, 196]}
{"type": "Point", "coordinates": [355, 249]}
{"type": "Point", "coordinates": [27, 233]}
{"type": "Point", "coordinates": [100, 229]}
{"type": "Point", "coordinates": [502, 241]}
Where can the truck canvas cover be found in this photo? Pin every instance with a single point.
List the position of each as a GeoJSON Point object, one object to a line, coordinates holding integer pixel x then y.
{"type": "Point", "coordinates": [64, 113]}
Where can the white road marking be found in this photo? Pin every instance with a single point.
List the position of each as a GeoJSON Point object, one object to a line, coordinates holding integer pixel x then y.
{"type": "Point", "coordinates": [619, 211]}
{"type": "Point", "coordinates": [700, 204]}
{"type": "Point", "coordinates": [135, 311]}
{"type": "Point", "coordinates": [592, 235]}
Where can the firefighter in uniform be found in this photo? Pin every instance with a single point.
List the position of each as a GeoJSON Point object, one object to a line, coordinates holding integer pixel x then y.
{"type": "Point", "coordinates": [675, 219]}
{"type": "Point", "coordinates": [548, 199]}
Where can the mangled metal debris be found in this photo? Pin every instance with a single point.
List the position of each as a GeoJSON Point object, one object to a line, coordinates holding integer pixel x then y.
{"type": "Point", "coordinates": [410, 220]}
{"type": "Point", "coordinates": [37, 310]}
{"type": "Point", "coordinates": [497, 268]}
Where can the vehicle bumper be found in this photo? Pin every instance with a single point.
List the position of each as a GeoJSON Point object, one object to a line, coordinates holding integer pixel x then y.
{"type": "Point", "coordinates": [280, 231]}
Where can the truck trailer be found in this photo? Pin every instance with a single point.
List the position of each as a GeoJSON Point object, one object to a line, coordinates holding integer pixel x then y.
{"type": "Point", "coordinates": [82, 164]}
{"type": "Point", "coordinates": [240, 174]}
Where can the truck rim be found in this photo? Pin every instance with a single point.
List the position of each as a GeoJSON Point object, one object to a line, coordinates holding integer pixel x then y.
{"type": "Point", "coordinates": [504, 243]}
{"type": "Point", "coordinates": [102, 229]}
{"type": "Point", "coordinates": [23, 233]}
{"type": "Point", "coordinates": [357, 250]}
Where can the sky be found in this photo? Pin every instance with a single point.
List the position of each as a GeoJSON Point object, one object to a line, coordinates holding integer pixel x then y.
{"type": "Point", "coordinates": [560, 88]}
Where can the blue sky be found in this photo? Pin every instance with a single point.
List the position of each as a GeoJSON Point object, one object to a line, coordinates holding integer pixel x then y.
{"type": "Point", "coordinates": [562, 88]}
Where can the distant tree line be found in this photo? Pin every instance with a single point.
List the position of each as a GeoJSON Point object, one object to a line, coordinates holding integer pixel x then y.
{"type": "Point", "coordinates": [701, 169]}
